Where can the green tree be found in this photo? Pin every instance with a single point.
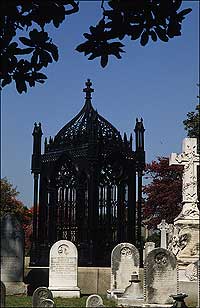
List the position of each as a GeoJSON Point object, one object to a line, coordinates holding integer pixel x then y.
{"type": "Point", "coordinates": [10, 204]}
{"type": "Point", "coordinates": [22, 58]}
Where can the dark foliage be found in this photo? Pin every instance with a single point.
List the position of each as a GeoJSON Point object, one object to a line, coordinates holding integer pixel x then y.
{"type": "Point", "coordinates": [23, 64]}
{"type": "Point", "coordinates": [143, 20]}
{"type": "Point", "coordinates": [23, 57]}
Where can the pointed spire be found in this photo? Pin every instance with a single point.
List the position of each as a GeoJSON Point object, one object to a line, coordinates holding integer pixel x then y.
{"type": "Point", "coordinates": [88, 90]}
{"type": "Point", "coordinates": [125, 138]}
{"type": "Point", "coordinates": [131, 141]}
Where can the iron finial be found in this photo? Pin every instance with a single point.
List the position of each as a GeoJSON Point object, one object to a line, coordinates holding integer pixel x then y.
{"type": "Point", "coordinates": [88, 90]}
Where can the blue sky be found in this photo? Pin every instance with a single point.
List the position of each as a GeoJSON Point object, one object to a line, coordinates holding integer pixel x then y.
{"type": "Point", "coordinates": [156, 82]}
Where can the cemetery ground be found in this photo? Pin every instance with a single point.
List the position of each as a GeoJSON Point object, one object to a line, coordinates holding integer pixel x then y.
{"type": "Point", "coordinates": [26, 301]}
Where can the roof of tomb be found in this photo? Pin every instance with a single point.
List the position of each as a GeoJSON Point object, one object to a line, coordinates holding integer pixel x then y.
{"type": "Point", "coordinates": [87, 122]}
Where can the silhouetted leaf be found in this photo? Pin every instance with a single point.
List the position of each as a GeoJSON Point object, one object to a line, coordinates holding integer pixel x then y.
{"type": "Point", "coordinates": [26, 41]}
{"type": "Point", "coordinates": [144, 38]}
{"type": "Point", "coordinates": [93, 56]}
{"type": "Point", "coordinates": [6, 80]}
{"type": "Point", "coordinates": [87, 35]}
{"type": "Point", "coordinates": [153, 35]}
{"type": "Point", "coordinates": [81, 47]}
{"type": "Point", "coordinates": [25, 51]}
{"type": "Point", "coordinates": [161, 34]}
{"type": "Point", "coordinates": [104, 60]}
{"type": "Point", "coordinates": [53, 50]}
{"type": "Point", "coordinates": [136, 32]}
{"type": "Point", "coordinates": [20, 85]}
{"type": "Point", "coordinates": [40, 76]}
{"type": "Point", "coordinates": [34, 58]}
{"type": "Point", "coordinates": [185, 12]}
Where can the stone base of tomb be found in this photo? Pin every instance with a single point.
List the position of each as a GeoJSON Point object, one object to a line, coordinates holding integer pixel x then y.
{"type": "Point", "coordinates": [65, 292]}
{"type": "Point", "coordinates": [115, 294]}
{"type": "Point", "coordinates": [15, 288]}
{"type": "Point", "coordinates": [130, 302]}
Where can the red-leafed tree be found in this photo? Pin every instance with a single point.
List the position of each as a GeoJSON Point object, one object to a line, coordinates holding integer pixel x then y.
{"type": "Point", "coordinates": [163, 194]}
{"type": "Point", "coordinates": [10, 204]}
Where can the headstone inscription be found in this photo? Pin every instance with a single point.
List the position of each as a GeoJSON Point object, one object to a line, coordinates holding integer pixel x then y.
{"type": "Point", "coordinates": [12, 255]}
{"type": "Point", "coordinates": [94, 300]}
{"type": "Point", "coordinates": [124, 261]}
{"type": "Point", "coordinates": [63, 269]}
{"type": "Point", "coordinates": [3, 294]}
{"type": "Point", "coordinates": [163, 227]}
{"type": "Point", "coordinates": [39, 295]}
{"type": "Point", "coordinates": [160, 276]}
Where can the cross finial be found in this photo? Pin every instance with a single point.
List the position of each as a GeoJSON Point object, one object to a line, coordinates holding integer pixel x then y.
{"type": "Point", "coordinates": [88, 90]}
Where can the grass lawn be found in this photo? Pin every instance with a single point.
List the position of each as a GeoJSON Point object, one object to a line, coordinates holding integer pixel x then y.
{"type": "Point", "coordinates": [26, 301]}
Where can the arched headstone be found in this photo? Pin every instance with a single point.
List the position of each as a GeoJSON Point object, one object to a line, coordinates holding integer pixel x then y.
{"type": "Point", "coordinates": [94, 300]}
{"type": "Point", "coordinates": [39, 295]}
{"type": "Point", "coordinates": [124, 261]}
{"type": "Point", "coordinates": [63, 269]}
{"type": "Point", "coordinates": [12, 254]}
{"type": "Point", "coordinates": [160, 276]}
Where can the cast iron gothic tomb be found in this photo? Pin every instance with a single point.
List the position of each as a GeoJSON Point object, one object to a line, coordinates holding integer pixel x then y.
{"type": "Point", "coordinates": [90, 187]}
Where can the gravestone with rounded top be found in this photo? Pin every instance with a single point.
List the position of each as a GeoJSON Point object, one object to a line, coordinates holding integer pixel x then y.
{"type": "Point", "coordinates": [39, 295]}
{"type": "Point", "coordinates": [63, 269]}
{"type": "Point", "coordinates": [94, 300]}
{"type": "Point", "coordinates": [124, 261]}
{"type": "Point", "coordinates": [160, 277]}
{"type": "Point", "coordinates": [47, 303]}
{"type": "Point", "coordinates": [12, 254]}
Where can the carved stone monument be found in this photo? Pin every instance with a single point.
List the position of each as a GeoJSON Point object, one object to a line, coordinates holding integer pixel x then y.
{"type": "Point", "coordinates": [163, 227]}
{"type": "Point", "coordinates": [160, 277]}
{"type": "Point", "coordinates": [133, 295]}
{"type": "Point", "coordinates": [184, 234]}
{"type": "Point", "coordinates": [63, 269]}
{"type": "Point", "coordinates": [12, 255]}
{"type": "Point", "coordinates": [124, 261]}
{"type": "Point", "coordinates": [39, 295]}
{"type": "Point", "coordinates": [94, 300]}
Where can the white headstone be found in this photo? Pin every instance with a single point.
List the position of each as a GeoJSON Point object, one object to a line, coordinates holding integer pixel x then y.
{"type": "Point", "coordinates": [12, 255]}
{"type": "Point", "coordinates": [63, 268]}
{"type": "Point", "coordinates": [160, 276]}
{"type": "Point", "coordinates": [94, 300]}
{"type": "Point", "coordinates": [163, 227]}
{"type": "Point", "coordinates": [124, 261]}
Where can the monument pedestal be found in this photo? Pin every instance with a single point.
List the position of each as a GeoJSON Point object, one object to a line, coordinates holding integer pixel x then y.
{"type": "Point", "coordinates": [65, 292]}
{"type": "Point", "coordinates": [15, 288]}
